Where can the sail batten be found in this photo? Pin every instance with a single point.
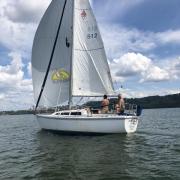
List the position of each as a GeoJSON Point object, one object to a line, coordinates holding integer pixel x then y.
{"type": "Point", "coordinates": [89, 49]}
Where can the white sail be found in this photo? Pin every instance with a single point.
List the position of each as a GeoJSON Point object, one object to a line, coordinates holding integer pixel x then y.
{"type": "Point", "coordinates": [91, 74]}
{"type": "Point", "coordinates": [79, 65]}
{"type": "Point", "coordinates": [56, 90]}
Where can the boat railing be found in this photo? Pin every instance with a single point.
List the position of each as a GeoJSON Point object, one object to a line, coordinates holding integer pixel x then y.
{"type": "Point", "coordinates": [130, 109]}
{"type": "Point", "coordinates": [133, 109]}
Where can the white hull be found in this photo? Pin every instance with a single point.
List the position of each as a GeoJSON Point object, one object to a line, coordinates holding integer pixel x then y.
{"type": "Point", "coordinates": [89, 124]}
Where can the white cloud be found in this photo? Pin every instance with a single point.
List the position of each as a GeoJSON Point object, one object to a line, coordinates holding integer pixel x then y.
{"type": "Point", "coordinates": [172, 65]}
{"type": "Point", "coordinates": [170, 36]}
{"type": "Point", "coordinates": [13, 86]}
{"type": "Point", "coordinates": [155, 74]}
{"type": "Point", "coordinates": [16, 37]}
{"type": "Point", "coordinates": [114, 9]}
{"type": "Point", "coordinates": [131, 93]}
{"type": "Point", "coordinates": [15, 101]}
{"type": "Point", "coordinates": [29, 69]}
{"type": "Point", "coordinates": [119, 40]}
{"type": "Point", "coordinates": [25, 11]}
{"type": "Point", "coordinates": [18, 21]}
{"type": "Point", "coordinates": [134, 38]}
{"type": "Point", "coordinates": [132, 64]}
{"type": "Point", "coordinates": [11, 74]}
{"type": "Point", "coordinates": [2, 96]}
{"type": "Point", "coordinates": [15, 66]}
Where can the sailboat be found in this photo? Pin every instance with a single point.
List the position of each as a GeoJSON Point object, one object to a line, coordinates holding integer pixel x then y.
{"type": "Point", "coordinates": [68, 61]}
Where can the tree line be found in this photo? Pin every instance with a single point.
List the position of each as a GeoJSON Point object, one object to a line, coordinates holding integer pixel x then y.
{"type": "Point", "coordinates": [151, 102]}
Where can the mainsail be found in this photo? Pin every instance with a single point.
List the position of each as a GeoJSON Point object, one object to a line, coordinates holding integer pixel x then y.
{"type": "Point", "coordinates": [79, 65]}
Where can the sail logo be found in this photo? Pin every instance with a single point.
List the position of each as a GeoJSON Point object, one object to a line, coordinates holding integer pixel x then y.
{"type": "Point", "coordinates": [83, 14]}
{"type": "Point", "coordinates": [60, 75]}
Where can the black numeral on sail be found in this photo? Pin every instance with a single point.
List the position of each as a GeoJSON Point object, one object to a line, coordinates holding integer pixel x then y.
{"type": "Point", "coordinates": [92, 36]}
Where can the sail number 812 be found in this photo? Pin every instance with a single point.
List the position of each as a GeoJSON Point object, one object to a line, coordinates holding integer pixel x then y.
{"type": "Point", "coordinates": [92, 36]}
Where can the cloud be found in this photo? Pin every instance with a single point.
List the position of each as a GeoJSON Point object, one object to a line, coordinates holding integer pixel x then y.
{"type": "Point", "coordinates": [119, 40]}
{"type": "Point", "coordinates": [25, 11]}
{"type": "Point", "coordinates": [132, 64]}
{"type": "Point", "coordinates": [11, 74]}
{"type": "Point", "coordinates": [172, 65]}
{"type": "Point", "coordinates": [131, 93]}
{"type": "Point", "coordinates": [14, 88]}
{"type": "Point", "coordinates": [18, 21]}
{"type": "Point", "coordinates": [15, 100]}
{"type": "Point", "coordinates": [29, 69]}
{"type": "Point", "coordinates": [16, 64]}
{"type": "Point", "coordinates": [155, 74]}
{"type": "Point", "coordinates": [2, 96]}
{"type": "Point", "coordinates": [16, 37]}
{"type": "Point", "coordinates": [114, 9]}
{"type": "Point", "coordinates": [17, 33]}
{"type": "Point", "coordinates": [170, 36]}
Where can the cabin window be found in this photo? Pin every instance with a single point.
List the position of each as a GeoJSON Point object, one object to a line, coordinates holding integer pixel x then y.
{"type": "Point", "coordinates": [57, 114]}
{"type": "Point", "coordinates": [65, 113]}
{"type": "Point", "coordinates": [76, 113]}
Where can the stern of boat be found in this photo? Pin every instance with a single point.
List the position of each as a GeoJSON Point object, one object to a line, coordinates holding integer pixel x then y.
{"type": "Point", "coordinates": [131, 124]}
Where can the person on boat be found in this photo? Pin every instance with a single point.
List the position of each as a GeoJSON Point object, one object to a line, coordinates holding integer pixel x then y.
{"type": "Point", "coordinates": [120, 106]}
{"type": "Point", "coordinates": [105, 105]}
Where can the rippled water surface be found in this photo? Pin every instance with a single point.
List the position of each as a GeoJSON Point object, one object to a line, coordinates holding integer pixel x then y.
{"type": "Point", "coordinates": [153, 152]}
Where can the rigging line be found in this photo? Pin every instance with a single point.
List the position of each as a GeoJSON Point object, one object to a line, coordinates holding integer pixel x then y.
{"type": "Point", "coordinates": [51, 57]}
{"type": "Point", "coordinates": [71, 60]}
{"type": "Point", "coordinates": [98, 72]}
{"type": "Point", "coordinates": [80, 101]}
{"type": "Point", "coordinates": [87, 9]}
{"type": "Point", "coordinates": [60, 87]}
{"type": "Point", "coordinates": [89, 49]}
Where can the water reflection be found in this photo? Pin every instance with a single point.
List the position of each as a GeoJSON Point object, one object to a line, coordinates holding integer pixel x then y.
{"type": "Point", "coordinates": [86, 157]}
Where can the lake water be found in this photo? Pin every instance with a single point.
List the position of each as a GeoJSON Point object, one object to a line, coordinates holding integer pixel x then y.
{"type": "Point", "coordinates": [153, 152]}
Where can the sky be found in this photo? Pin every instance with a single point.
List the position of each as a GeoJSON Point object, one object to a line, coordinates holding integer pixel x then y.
{"type": "Point", "coordinates": [141, 39]}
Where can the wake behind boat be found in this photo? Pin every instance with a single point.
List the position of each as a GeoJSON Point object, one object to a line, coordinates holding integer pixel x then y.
{"type": "Point", "coordinates": [68, 61]}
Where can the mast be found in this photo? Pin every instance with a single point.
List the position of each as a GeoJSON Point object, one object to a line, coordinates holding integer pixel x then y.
{"type": "Point", "coordinates": [71, 63]}
{"type": "Point", "coordinates": [51, 57]}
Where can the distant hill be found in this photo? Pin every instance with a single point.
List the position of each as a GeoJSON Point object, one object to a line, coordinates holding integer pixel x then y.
{"type": "Point", "coordinates": [16, 112]}
{"type": "Point", "coordinates": [151, 102]}
{"type": "Point", "coordinates": [169, 101]}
